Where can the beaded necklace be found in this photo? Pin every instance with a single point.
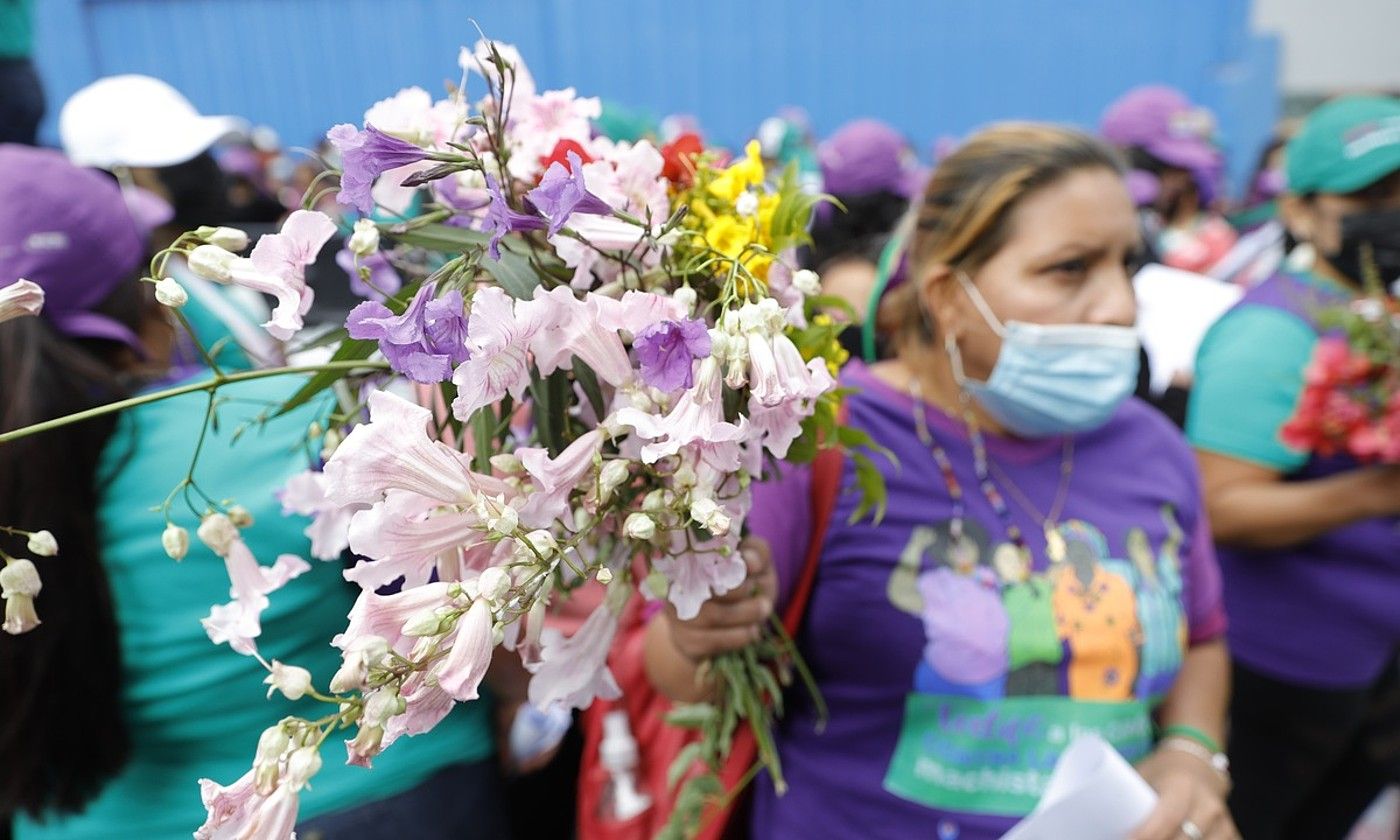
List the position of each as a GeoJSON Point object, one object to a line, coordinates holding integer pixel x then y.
{"type": "Point", "coordinates": [982, 467]}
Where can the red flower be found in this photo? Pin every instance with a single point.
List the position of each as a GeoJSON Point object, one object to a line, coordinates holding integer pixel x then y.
{"type": "Point", "coordinates": [678, 154]}
{"type": "Point", "coordinates": [560, 155]}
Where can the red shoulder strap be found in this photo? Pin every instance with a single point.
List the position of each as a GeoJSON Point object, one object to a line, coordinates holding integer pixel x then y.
{"type": "Point", "coordinates": [826, 485]}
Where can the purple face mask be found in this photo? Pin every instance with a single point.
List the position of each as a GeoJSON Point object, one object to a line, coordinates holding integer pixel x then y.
{"type": "Point", "coordinates": [70, 231]}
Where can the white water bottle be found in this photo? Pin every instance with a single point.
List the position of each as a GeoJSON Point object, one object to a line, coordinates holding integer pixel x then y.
{"type": "Point", "coordinates": [617, 753]}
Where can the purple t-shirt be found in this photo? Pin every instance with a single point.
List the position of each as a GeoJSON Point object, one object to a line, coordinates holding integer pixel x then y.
{"type": "Point", "coordinates": [954, 675]}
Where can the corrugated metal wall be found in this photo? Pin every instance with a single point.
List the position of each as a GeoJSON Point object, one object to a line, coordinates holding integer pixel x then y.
{"type": "Point", "coordinates": [931, 67]}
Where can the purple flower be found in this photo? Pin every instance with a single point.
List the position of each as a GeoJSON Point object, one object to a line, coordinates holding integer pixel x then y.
{"type": "Point", "coordinates": [500, 219]}
{"type": "Point", "coordinates": [667, 350]}
{"type": "Point", "coordinates": [562, 193]}
{"type": "Point", "coordinates": [383, 279]}
{"type": "Point", "coordinates": [425, 342]}
{"type": "Point", "coordinates": [364, 156]}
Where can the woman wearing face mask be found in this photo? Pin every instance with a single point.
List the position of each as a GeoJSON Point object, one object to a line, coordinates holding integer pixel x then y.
{"type": "Point", "coordinates": [1309, 547]}
{"type": "Point", "coordinates": [994, 609]}
{"type": "Point", "coordinates": [1175, 176]}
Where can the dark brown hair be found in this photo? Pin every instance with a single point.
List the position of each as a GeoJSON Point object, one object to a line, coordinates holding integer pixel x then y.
{"type": "Point", "coordinates": [62, 734]}
{"type": "Point", "coordinates": [964, 217]}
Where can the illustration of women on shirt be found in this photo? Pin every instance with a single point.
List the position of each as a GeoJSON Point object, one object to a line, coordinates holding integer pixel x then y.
{"type": "Point", "coordinates": [1096, 615]}
{"type": "Point", "coordinates": [958, 597]}
{"type": "Point", "coordinates": [1159, 610]}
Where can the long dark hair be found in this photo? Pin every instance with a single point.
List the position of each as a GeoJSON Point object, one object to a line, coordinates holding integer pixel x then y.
{"type": "Point", "coordinates": [62, 734]}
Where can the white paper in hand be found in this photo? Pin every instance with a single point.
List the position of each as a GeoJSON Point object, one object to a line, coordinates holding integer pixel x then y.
{"type": "Point", "coordinates": [1094, 794]}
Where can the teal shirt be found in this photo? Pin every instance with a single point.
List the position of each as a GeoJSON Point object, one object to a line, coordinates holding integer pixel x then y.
{"type": "Point", "coordinates": [195, 710]}
{"type": "Point", "coordinates": [16, 29]}
{"type": "Point", "coordinates": [1249, 376]}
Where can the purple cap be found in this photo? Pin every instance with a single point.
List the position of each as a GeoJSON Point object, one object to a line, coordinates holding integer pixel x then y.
{"type": "Point", "coordinates": [1161, 121]}
{"type": "Point", "coordinates": [866, 156]}
{"type": "Point", "coordinates": [68, 230]}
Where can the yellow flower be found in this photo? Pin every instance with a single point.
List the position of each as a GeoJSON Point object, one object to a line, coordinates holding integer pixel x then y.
{"type": "Point", "coordinates": [740, 175]}
{"type": "Point", "coordinates": [767, 204]}
{"type": "Point", "coordinates": [758, 265]}
{"type": "Point", "coordinates": [728, 235]}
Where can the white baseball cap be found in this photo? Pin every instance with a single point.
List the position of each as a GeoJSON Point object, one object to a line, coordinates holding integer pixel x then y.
{"type": "Point", "coordinates": [134, 120]}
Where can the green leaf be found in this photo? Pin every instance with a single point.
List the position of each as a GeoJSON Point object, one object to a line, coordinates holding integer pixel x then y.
{"type": "Point", "coordinates": [353, 349]}
{"type": "Point", "coordinates": [829, 302]}
{"type": "Point", "coordinates": [691, 715]}
{"type": "Point", "coordinates": [871, 482]}
{"type": "Point", "coordinates": [588, 381]}
{"type": "Point", "coordinates": [483, 425]}
{"type": "Point", "coordinates": [682, 763]}
{"type": "Point", "coordinates": [512, 271]}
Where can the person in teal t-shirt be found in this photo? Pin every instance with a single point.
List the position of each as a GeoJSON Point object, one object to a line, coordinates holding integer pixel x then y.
{"type": "Point", "coordinates": [21, 93]}
{"type": "Point", "coordinates": [116, 703]}
{"type": "Point", "coordinates": [1307, 544]}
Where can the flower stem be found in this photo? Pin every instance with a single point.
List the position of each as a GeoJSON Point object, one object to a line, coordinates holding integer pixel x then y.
{"type": "Point", "coordinates": [210, 385]}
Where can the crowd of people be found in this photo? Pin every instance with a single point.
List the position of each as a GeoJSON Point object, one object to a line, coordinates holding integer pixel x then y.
{"type": "Point", "coordinates": [1056, 552]}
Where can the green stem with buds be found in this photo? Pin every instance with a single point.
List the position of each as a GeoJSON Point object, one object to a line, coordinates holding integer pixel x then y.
{"type": "Point", "coordinates": [209, 385]}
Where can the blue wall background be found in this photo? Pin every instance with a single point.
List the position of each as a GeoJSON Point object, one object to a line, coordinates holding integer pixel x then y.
{"type": "Point", "coordinates": [930, 67]}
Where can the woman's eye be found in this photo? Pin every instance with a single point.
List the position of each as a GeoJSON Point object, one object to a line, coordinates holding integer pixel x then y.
{"type": "Point", "coordinates": [1072, 267]}
{"type": "Point", "coordinates": [1133, 263]}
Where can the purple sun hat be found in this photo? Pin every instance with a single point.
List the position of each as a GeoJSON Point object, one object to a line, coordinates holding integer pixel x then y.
{"type": "Point", "coordinates": [1162, 122]}
{"type": "Point", "coordinates": [866, 156]}
{"type": "Point", "coordinates": [68, 230]}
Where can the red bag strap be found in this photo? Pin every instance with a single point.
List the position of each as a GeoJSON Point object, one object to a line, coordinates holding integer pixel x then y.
{"type": "Point", "coordinates": [826, 486]}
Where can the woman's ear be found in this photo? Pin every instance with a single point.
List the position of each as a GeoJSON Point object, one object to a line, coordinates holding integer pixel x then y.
{"type": "Point", "coordinates": [937, 296]}
{"type": "Point", "coordinates": [1298, 216]}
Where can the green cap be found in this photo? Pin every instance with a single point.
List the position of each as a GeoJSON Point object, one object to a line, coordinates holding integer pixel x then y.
{"type": "Point", "coordinates": [1345, 145]}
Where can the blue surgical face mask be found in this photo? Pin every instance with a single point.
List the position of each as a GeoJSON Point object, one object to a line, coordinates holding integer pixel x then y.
{"type": "Point", "coordinates": [1051, 379]}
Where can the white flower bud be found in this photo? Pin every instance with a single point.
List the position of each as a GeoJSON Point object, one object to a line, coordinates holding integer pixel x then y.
{"type": "Point", "coordinates": [176, 541]}
{"type": "Point", "coordinates": [212, 263]}
{"type": "Point", "coordinates": [507, 463]}
{"type": "Point", "coordinates": [20, 578]}
{"type": "Point", "coordinates": [639, 526]}
{"type": "Point", "coordinates": [655, 501]}
{"type": "Point", "coordinates": [746, 204]}
{"type": "Point", "coordinates": [19, 585]}
{"type": "Point", "coordinates": [43, 544]}
{"type": "Point", "coordinates": [427, 622]}
{"type": "Point", "coordinates": [494, 583]}
{"type": "Point", "coordinates": [230, 239]}
{"type": "Point", "coordinates": [170, 293]}
{"type": "Point", "coordinates": [240, 516]}
{"type": "Point", "coordinates": [807, 282]}
{"type": "Point", "coordinates": [302, 765]}
{"type": "Point", "coordinates": [291, 680]}
{"type": "Point", "coordinates": [686, 297]}
{"type": "Point", "coordinates": [719, 344]}
{"type": "Point", "coordinates": [369, 741]}
{"type": "Point", "coordinates": [499, 517]}
{"type": "Point", "coordinates": [684, 477]}
{"type": "Point", "coordinates": [709, 515]}
{"type": "Point", "coordinates": [605, 576]}
{"type": "Point", "coordinates": [330, 442]}
{"type": "Point", "coordinates": [218, 532]}
{"type": "Point", "coordinates": [364, 653]}
{"type": "Point", "coordinates": [272, 743]}
{"type": "Point", "coordinates": [382, 704]}
{"type": "Point", "coordinates": [364, 239]}
{"type": "Point", "coordinates": [613, 473]}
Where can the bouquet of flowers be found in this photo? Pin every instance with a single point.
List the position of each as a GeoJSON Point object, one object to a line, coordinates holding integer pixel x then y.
{"type": "Point", "coordinates": [607, 343]}
{"type": "Point", "coordinates": [1350, 403]}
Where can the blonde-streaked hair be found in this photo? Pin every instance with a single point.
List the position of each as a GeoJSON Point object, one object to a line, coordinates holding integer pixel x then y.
{"type": "Point", "coordinates": [964, 216]}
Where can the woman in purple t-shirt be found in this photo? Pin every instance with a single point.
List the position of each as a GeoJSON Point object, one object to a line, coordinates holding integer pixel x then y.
{"type": "Point", "coordinates": [1044, 567]}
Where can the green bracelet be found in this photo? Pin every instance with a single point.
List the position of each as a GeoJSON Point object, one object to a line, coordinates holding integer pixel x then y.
{"type": "Point", "coordinates": [1191, 733]}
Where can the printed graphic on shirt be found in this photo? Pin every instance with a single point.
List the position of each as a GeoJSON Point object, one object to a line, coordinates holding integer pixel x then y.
{"type": "Point", "coordinates": [1018, 661]}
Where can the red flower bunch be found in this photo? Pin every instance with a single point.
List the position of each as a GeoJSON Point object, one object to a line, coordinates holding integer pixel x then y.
{"type": "Point", "coordinates": [1351, 394]}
